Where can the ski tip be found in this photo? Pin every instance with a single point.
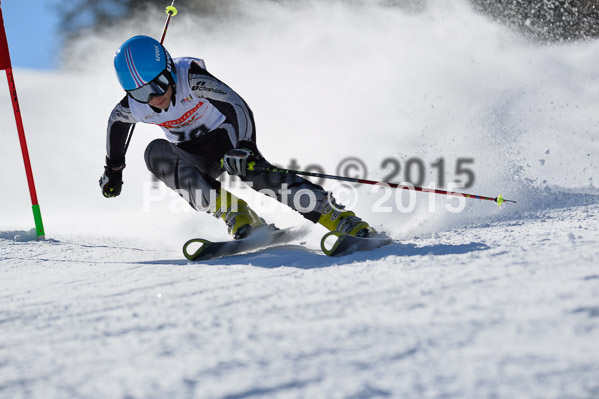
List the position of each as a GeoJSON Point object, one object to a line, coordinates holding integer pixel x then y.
{"type": "Point", "coordinates": [197, 251]}
{"type": "Point", "coordinates": [329, 245]}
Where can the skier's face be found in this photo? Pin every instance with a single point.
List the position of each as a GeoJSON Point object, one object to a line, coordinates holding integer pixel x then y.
{"type": "Point", "coordinates": [163, 101]}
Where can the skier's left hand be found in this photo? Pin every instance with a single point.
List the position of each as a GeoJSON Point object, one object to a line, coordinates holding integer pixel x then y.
{"type": "Point", "coordinates": [236, 161]}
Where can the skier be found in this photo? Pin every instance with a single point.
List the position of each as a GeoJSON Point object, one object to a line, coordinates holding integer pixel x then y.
{"type": "Point", "coordinates": [209, 127]}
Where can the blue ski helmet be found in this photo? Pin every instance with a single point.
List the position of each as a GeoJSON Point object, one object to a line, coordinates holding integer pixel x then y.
{"type": "Point", "coordinates": [144, 68]}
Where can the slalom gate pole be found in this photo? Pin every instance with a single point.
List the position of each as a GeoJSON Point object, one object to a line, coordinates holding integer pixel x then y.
{"type": "Point", "coordinates": [498, 200]}
{"type": "Point", "coordinates": [6, 64]}
{"type": "Point", "coordinates": [171, 12]}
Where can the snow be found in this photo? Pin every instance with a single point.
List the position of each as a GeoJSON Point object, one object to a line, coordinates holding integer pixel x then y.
{"type": "Point", "coordinates": [487, 302]}
{"type": "Point", "coordinates": [483, 311]}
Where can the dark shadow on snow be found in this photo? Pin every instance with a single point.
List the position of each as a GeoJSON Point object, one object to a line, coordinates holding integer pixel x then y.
{"type": "Point", "coordinates": [303, 258]}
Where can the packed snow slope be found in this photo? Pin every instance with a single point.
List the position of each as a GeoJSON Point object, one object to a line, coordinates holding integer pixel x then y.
{"type": "Point", "coordinates": [505, 310]}
{"type": "Point", "coordinates": [485, 302]}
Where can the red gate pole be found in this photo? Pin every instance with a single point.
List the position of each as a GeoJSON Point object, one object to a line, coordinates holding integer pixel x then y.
{"type": "Point", "coordinates": [6, 65]}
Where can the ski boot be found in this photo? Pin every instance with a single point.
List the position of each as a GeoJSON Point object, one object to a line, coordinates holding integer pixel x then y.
{"type": "Point", "coordinates": [336, 218]}
{"type": "Point", "coordinates": [241, 220]}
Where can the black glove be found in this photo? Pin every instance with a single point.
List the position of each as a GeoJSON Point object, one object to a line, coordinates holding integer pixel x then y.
{"type": "Point", "coordinates": [111, 181]}
{"type": "Point", "coordinates": [236, 161]}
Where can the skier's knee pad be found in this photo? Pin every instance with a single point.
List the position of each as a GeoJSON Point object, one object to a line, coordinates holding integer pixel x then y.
{"type": "Point", "coordinates": [159, 157]}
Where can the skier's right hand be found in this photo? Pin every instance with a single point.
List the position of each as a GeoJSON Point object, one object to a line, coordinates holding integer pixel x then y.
{"type": "Point", "coordinates": [111, 182]}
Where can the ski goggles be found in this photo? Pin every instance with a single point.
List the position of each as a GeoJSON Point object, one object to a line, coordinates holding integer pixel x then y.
{"type": "Point", "coordinates": [156, 87]}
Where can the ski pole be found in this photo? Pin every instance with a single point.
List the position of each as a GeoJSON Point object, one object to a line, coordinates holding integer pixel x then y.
{"type": "Point", "coordinates": [171, 12]}
{"type": "Point", "coordinates": [498, 200]}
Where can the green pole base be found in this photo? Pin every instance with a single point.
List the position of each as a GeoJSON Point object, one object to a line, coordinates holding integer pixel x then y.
{"type": "Point", "coordinates": [39, 225]}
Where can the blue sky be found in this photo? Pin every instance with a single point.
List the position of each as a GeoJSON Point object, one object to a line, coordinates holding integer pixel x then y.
{"type": "Point", "coordinates": [31, 29]}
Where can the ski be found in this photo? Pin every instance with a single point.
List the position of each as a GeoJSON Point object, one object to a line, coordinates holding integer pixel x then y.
{"type": "Point", "coordinates": [345, 244]}
{"type": "Point", "coordinates": [264, 237]}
